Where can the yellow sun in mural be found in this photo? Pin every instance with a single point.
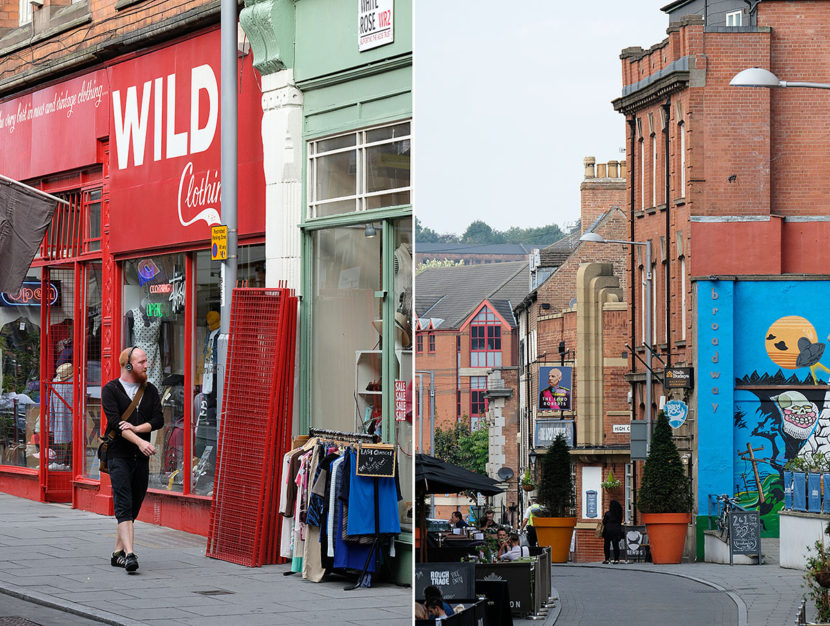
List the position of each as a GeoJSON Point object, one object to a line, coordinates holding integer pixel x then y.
{"type": "Point", "coordinates": [792, 342]}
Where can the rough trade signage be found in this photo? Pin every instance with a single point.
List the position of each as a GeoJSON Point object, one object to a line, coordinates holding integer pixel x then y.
{"type": "Point", "coordinates": [679, 378]}
{"type": "Point", "coordinates": [375, 23]}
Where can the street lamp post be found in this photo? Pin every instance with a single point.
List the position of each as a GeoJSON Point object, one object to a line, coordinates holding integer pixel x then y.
{"type": "Point", "coordinates": [595, 238]}
{"type": "Point", "coordinates": [759, 77]}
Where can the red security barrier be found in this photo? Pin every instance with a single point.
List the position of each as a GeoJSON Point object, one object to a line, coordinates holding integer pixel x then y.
{"type": "Point", "coordinates": [255, 430]}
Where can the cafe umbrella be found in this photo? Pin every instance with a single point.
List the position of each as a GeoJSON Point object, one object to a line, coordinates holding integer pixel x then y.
{"type": "Point", "coordinates": [433, 475]}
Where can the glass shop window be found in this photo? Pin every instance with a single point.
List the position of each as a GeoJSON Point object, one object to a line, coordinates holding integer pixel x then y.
{"type": "Point", "coordinates": [20, 334]}
{"type": "Point", "coordinates": [153, 304]}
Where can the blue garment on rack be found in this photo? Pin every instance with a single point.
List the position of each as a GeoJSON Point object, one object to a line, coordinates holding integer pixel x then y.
{"type": "Point", "coordinates": [362, 503]}
{"type": "Point", "coordinates": [347, 555]}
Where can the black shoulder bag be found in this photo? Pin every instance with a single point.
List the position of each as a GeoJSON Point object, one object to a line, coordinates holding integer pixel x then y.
{"type": "Point", "coordinates": [108, 437]}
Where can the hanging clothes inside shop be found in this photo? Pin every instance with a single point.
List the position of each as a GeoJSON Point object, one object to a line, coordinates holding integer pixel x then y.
{"type": "Point", "coordinates": [329, 510]}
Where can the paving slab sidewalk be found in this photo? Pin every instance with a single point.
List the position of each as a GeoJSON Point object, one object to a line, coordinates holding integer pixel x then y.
{"type": "Point", "coordinates": [58, 556]}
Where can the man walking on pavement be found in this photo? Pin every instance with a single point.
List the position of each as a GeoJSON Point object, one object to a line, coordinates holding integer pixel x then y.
{"type": "Point", "coordinates": [527, 520]}
{"type": "Point", "coordinates": [133, 409]}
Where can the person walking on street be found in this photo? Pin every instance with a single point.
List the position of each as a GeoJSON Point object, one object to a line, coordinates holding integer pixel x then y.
{"type": "Point", "coordinates": [133, 410]}
{"type": "Point", "coordinates": [612, 531]}
{"type": "Point", "coordinates": [527, 521]}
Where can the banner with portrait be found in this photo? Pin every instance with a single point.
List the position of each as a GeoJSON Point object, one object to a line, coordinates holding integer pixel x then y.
{"type": "Point", "coordinates": [555, 388]}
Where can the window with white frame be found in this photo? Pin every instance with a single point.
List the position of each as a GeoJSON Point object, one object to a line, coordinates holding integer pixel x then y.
{"type": "Point", "coordinates": [642, 174]}
{"type": "Point", "coordinates": [358, 171]}
{"type": "Point", "coordinates": [643, 285]}
{"type": "Point", "coordinates": [25, 12]}
{"type": "Point", "coordinates": [734, 18]}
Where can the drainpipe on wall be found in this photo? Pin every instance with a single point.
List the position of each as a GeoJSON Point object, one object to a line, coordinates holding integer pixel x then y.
{"type": "Point", "coordinates": [667, 111]}
{"type": "Point", "coordinates": [632, 124]}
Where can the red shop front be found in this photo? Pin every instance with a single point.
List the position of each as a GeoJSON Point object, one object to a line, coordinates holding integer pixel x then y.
{"type": "Point", "coordinates": [134, 148]}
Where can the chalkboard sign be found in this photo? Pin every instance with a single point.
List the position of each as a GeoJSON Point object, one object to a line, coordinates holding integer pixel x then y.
{"type": "Point", "coordinates": [457, 581]}
{"type": "Point", "coordinates": [745, 532]}
{"type": "Point", "coordinates": [376, 459]}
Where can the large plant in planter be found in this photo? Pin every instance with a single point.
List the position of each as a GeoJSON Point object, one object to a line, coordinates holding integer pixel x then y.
{"type": "Point", "coordinates": [665, 498]}
{"type": "Point", "coordinates": [555, 492]}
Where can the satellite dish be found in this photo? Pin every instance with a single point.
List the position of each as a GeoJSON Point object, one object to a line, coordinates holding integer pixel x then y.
{"type": "Point", "coordinates": [505, 473]}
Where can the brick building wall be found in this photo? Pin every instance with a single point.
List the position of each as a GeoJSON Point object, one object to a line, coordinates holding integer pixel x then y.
{"type": "Point", "coordinates": [69, 37]}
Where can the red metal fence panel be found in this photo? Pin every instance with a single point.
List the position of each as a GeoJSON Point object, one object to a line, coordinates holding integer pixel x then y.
{"type": "Point", "coordinates": [255, 426]}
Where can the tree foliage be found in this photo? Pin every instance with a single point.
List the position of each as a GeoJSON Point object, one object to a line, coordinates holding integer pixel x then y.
{"type": "Point", "coordinates": [556, 489]}
{"type": "Point", "coordinates": [665, 487]}
{"type": "Point", "coordinates": [479, 232]}
{"type": "Point", "coordinates": [463, 448]}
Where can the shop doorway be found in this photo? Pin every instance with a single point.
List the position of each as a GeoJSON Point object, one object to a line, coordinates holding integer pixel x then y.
{"type": "Point", "coordinates": [54, 434]}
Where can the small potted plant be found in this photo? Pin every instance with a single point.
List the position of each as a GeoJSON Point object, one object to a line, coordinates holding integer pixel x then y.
{"type": "Point", "coordinates": [610, 483]}
{"type": "Point", "coordinates": [556, 495]}
{"type": "Point", "coordinates": [527, 482]}
{"type": "Point", "coordinates": [665, 499]}
{"type": "Point", "coordinates": [818, 578]}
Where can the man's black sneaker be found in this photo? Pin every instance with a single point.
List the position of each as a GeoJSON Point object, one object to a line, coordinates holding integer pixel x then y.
{"type": "Point", "coordinates": [117, 559]}
{"type": "Point", "coordinates": [131, 562]}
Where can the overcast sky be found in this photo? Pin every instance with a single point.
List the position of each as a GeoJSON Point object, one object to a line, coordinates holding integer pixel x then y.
{"type": "Point", "coordinates": [509, 97]}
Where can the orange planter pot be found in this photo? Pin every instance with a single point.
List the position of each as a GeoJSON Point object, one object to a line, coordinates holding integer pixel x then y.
{"type": "Point", "coordinates": [555, 532]}
{"type": "Point", "coordinates": [666, 535]}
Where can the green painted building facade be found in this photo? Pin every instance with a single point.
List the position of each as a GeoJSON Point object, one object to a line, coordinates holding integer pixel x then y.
{"type": "Point", "coordinates": [336, 134]}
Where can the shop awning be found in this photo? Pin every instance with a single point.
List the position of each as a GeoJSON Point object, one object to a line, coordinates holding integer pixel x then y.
{"type": "Point", "coordinates": [25, 214]}
{"type": "Point", "coordinates": [436, 476]}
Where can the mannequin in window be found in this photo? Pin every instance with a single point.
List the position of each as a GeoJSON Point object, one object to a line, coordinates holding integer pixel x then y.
{"type": "Point", "coordinates": [146, 334]}
{"type": "Point", "coordinates": [61, 400]}
{"type": "Point", "coordinates": [206, 422]}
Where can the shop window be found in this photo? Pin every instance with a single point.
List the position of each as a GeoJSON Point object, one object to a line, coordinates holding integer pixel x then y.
{"type": "Point", "coordinates": [91, 382]}
{"type": "Point", "coordinates": [485, 340]}
{"type": "Point", "coordinates": [367, 169]}
{"type": "Point", "coordinates": [250, 271]}
{"type": "Point", "coordinates": [20, 335]}
{"type": "Point", "coordinates": [419, 343]}
{"type": "Point", "coordinates": [154, 298]}
{"type": "Point", "coordinates": [431, 338]}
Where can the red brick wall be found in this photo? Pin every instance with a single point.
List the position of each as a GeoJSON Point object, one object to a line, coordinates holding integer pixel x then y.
{"type": "Point", "coordinates": [598, 195]}
{"type": "Point", "coordinates": [42, 58]}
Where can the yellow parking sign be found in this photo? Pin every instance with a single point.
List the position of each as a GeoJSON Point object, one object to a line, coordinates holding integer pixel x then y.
{"type": "Point", "coordinates": [219, 243]}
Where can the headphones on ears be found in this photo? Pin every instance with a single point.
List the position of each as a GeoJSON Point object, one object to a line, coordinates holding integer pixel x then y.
{"type": "Point", "coordinates": [129, 365]}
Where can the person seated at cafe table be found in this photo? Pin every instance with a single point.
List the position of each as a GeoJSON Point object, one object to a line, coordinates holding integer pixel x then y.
{"type": "Point", "coordinates": [504, 542]}
{"type": "Point", "coordinates": [488, 524]}
{"type": "Point", "coordinates": [516, 551]}
{"type": "Point", "coordinates": [456, 521]}
{"type": "Point", "coordinates": [434, 603]}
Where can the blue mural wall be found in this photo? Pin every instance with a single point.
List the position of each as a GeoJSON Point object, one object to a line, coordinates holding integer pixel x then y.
{"type": "Point", "coordinates": [762, 387]}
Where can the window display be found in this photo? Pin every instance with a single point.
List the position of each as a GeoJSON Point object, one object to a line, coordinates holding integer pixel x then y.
{"type": "Point", "coordinates": [92, 376]}
{"type": "Point", "coordinates": [154, 314]}
{"type": "Point", "coordinates": [20, 371]}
